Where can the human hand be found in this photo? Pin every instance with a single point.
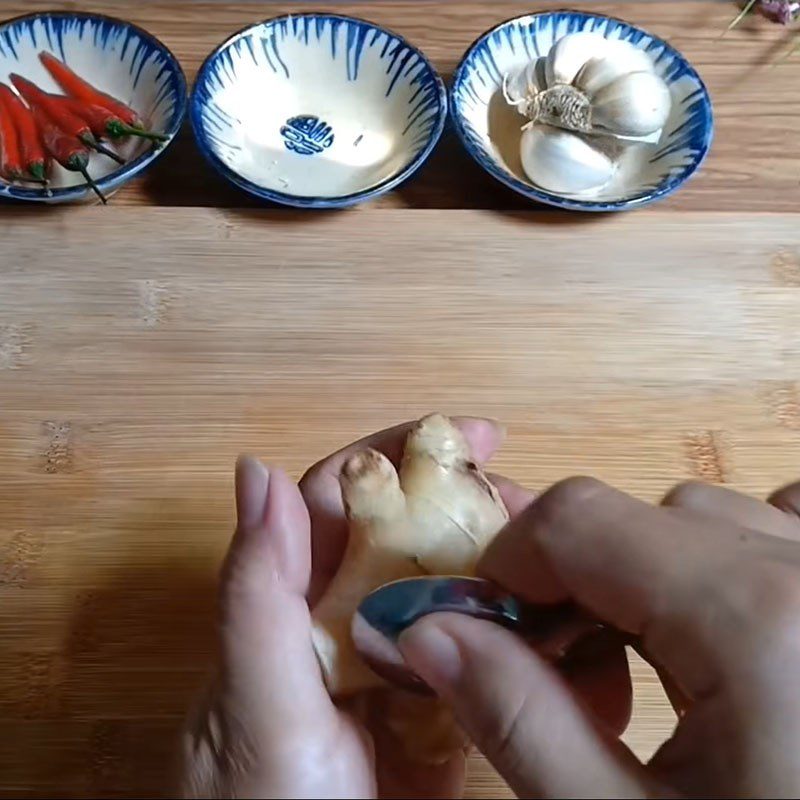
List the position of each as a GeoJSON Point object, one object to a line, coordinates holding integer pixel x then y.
{"type": "Point", "coordinates": [708, 586]}
{"type": "Point", "coordinates": [268, 727]}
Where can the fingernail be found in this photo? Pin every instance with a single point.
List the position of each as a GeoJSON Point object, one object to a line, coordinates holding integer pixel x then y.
{"type": "Point", "coordinates": [432, 654]}
{"type": "Point", "coordinates": [500, 427]}
{"type": "Point", "coordinates": [252, 488]}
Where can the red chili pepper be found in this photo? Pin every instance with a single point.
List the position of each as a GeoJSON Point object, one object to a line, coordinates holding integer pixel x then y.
{"type": "Point", "coordinates": [80, 89]}
{"type": "Point", "coordinates": [34, 159]}
{"type": "Point", "coordinates": [55, 106]}
{"type": "Point", "coordinates": [106, 123]}
{"type": "Point", "coordinates": [10, 155]}
{"type": "Point", "coordinates": [65, 148]}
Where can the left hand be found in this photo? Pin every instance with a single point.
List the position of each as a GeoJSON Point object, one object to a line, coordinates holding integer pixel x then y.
{"type": "Point", "coordinates": [268, 727]}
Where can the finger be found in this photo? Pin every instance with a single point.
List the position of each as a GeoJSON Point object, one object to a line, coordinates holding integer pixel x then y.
{"type": "Point", "coordinates": [269, 665]}
{"type": "Point", "coordinates": [725, 504]}
{"type": "Point", "coordinates": [644, 571]}
{"type": "Point", "coordinates": [323, 496]}
{"type": "Point", "coordinates": [787, 500]}
{"type": "Point", "coordinates": [677, 697]}
{"type": "Point", "coordinates": [598, 673]}
{"type": "Point", "coordinates": [516, 498]}
{"type": "Point", "coordinates": [586, 542]}
{"type": "Point", "coordinates": [518, 711]}
{"type": "Point", "coordinates": [516, 560]}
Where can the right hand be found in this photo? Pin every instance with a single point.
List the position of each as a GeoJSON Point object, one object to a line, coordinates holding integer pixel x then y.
{"type": "Point", "coordinates": [708, 586]}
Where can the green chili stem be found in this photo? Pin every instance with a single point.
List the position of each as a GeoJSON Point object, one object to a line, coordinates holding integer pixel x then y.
{"type": "Point", "coordinates": [38, 172]}
{"type": "Point", "coordinates": [117, 129]}
{"type": "Point", "coordinates": [78, 164]}
{"type": "Point", "coordinates": [90, 141]}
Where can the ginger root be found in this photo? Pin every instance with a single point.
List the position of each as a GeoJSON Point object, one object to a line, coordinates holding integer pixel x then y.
{"type": "Point", "coordinates": [433, 518]}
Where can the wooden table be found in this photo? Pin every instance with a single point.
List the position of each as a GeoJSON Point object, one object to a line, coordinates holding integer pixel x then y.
{"type": "Point", "coordinates": [144, 345]}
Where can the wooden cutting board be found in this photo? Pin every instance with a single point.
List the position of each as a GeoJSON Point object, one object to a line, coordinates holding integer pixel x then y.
{"type": "Point", "coordinates": [143, 346]}
{"type": "Point", "coordinates": [140, 352]}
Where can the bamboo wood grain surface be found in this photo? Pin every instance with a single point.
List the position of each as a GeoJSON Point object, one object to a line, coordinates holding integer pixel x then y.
{"type": "Point", "coordinates": [144, 345]}
{"type": "Point", "coordinates": [140, 356]}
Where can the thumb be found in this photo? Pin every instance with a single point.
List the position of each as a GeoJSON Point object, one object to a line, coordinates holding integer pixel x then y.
{"type": "Point", "coordinates": [519, 712]}
{"type": "Point", "coordinates": [267, 656]}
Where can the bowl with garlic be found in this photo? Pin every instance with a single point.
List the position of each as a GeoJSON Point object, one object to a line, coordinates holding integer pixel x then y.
{"type": "Point", "coordinates": [581, 111]}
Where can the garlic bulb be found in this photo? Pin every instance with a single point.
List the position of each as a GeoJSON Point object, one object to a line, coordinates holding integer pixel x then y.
{"type": "Point", "coordinates": [619, 58]}
{"type": "Point", "coordinates": [570, 53]}
{"type": "Point", "coordinates": [527, 82]}
{"type": "Point", "coordinates": [637, 104]}
{"type": "Point", "coordinates": [591, 84]}
{"type": "Point", "coordinates": [563, 162]}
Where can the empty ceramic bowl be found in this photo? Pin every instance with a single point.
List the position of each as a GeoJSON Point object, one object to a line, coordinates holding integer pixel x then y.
{"type": "Point", "coordinates": [490, 128]}
{"type": "Point", "coordinates": [117, 58]}
{"type": "Point", "coordinates": [317, 110]}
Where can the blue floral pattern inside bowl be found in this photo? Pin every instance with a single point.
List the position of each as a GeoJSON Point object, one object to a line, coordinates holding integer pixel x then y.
{"type": "Point", "coordinates": [116, 57]}
{"type": "Point", "coordinates": [490, 129]}
{"type": "Point", "coordinates": [317, 110]}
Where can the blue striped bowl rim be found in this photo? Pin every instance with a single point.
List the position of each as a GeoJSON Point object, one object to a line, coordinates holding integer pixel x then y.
{"type": "Point", "coordinates": [533, 193]}
{"type": "Point", "coordinates": [284, 198]}
{"type": "Point", "coordinates": [124, 173]}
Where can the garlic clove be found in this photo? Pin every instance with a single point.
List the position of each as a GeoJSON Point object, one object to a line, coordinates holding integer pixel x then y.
{"type": "Point", "coordinates": [621, 59]}
{"type": "Point", "coordinates": [540, 72]}
{"type": "Point", "coordinates": [563, 162]}
{"type": "Point", "coordinates": [521, 85]}
{"type": "Point", "coordinates": [636, 104]}
{"type": "Point", "coordinates": [637, 59]}
{"type": "Point", "coordinates": [570, 53]}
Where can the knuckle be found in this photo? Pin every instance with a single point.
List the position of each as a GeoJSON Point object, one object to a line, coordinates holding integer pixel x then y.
{"type": "Point", "coordinates": [503, 741]}
{"type": "Point", "coordinates": [567, 495]}
{"type": "Point", "coordinates": [686, 495]}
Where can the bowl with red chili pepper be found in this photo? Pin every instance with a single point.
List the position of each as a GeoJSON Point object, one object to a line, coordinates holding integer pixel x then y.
{"type": "Point", "coordinates": [87, 102]}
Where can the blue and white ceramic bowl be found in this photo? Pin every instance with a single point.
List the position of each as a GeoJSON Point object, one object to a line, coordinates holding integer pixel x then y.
{"type": "Point", "coordinates": [317, 110]}
{"type": "Point", "coordinates": [490, 129]}
{"type": "Point", "coordinates": [119, 59]}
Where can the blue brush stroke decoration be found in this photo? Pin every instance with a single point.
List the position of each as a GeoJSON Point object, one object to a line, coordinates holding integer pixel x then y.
{"type": "Point", "coordinates": [682, 149]}
{"type": "Point", "coordinates": [344, 42]}
{"type": "Point", "coordinates": [307, 135]}
{"type": "Point", "coordinates": [120, 45]}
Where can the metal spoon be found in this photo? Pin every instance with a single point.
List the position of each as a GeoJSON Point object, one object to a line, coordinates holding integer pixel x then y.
{"type": "Point", "coordinates": [384, 614]}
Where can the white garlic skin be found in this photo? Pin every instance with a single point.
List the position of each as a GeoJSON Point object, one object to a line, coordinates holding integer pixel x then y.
{"type": "Point", "coordinates": [570, 53]}
{"type": "Point", "coordinates": [529, 79]}
{"type": "Point", "coordinates": [520, 86]}
{"type": "Point", "coordinates": [636, 104]}
{"type": "Point", "coordinates": [620, 58]}
{"type": "Point", "coordinates": [563, 162]}
{"type": "Point", "coordinates": [591, 84]}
